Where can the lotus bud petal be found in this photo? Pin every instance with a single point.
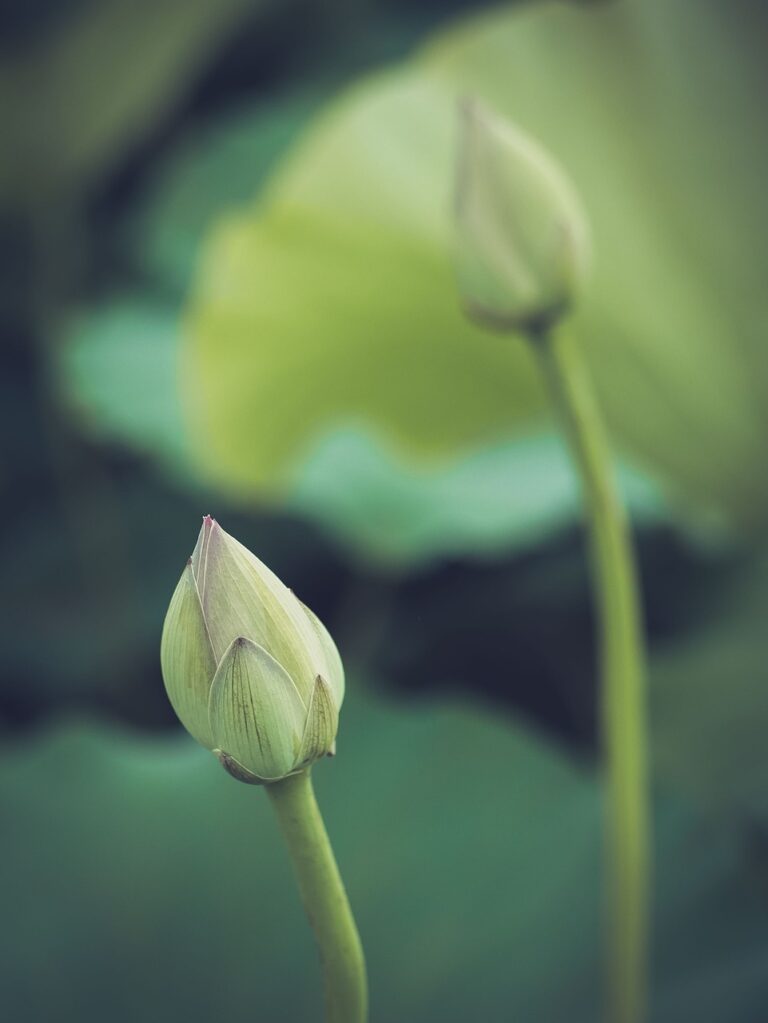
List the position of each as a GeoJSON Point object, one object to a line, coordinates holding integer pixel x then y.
{"type": "Point", "coordinates": [251, 672]}
{"type": "Point", "coordinates": [523, 241]}
{"type": "Point", "coordinates": [186, 659]}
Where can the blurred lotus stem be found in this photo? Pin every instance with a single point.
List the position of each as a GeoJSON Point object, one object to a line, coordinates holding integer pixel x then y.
{"type": "Point", "coordinates": [522, 259]}
{"type": "Point", "coordinates": [324, 898]}
{"type": "Point", "coordinates": [622, 660]}
{"type": "Point", "coordinates": [256, 678]}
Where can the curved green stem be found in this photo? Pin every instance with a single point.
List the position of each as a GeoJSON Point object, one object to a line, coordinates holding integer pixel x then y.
{"type": "Point", "coordinates": [622, 701]}
{"type": "Point", "coordinates": [324, 898]}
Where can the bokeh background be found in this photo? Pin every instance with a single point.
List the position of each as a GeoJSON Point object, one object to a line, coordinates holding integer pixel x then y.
{"type": "Point", "coordinates": [227, 287]}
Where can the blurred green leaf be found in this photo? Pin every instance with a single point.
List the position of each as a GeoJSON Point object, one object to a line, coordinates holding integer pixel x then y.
{"type": "Point", "coordinates": [334, 302]}
{"type": "Point", "coordinates": [307, 335]}
{"type": "Point", "coordinates": [160, 881]}
{"type": "Point", "coordinates": [75, 98]}
{"type": "Point", "coordinates": [710, 699]}
{"type": "Point", "coordinates": [502, 497]}
{"type": "Point", "coordinates": [217, 168]}
{"type": "Point", "coordinates": [121, 369]}
{"type": "Point", "coordinates": [325, 363]}
{"type": "Point", "coordinates": [119, 372]}
{"type": "Point", "coordinates": [224, 158]}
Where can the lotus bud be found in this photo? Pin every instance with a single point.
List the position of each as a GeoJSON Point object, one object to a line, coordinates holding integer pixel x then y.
{"type": "Point", "coordinates": [523, 246]}
{"type": "Point", "coordinates": [251, 672]}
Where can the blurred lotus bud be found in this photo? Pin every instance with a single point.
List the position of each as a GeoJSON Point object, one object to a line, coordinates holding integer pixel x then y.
{"type": "Point", "coordinates": [252, 674]}
{"type": "Point", "coordinates": [523, 245]}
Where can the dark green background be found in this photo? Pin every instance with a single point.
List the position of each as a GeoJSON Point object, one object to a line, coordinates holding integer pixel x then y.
{"type": "Point", "coordinates": [138, 882]}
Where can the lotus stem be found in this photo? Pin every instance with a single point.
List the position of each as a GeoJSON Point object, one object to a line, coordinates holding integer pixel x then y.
{"type": "Point", "coordinates": [324, 898]}
{"type": "Point", "coordinates": [622, 668]}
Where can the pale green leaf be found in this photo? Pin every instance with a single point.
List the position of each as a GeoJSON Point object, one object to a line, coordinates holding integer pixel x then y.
{"type": "Point", "coordinates": [320, 342]}
{"type": "Point", "coordinates": [219, 165]}
{"type": "Point", "coordinates": [328, 364]}
{"type": "Point", "coordinates": [118, 369]}
{"type": "Point", "coordinates": [335, 302]}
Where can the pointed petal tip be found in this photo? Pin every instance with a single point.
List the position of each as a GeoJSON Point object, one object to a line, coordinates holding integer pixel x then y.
{"type": "Point", "coordinates": [209, 531]}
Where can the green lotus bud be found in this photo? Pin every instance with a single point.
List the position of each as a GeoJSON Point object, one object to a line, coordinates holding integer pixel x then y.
{"type": "Point", "coordinates": [251, 672]}
{"type": "Point", "coordinates": [523, 246]}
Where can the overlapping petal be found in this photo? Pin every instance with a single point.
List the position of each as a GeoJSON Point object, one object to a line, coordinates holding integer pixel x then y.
{"type": "Point", "coordinates": [257, 716]}
{"type": "Point", "coordinates": [240, 596]}
{"type": "Point", "coordinates": [186, 659]}
{"type": "Point", "coordinates": [333, 675]}
{"type": "Point", "coordinates": [321, 724]}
